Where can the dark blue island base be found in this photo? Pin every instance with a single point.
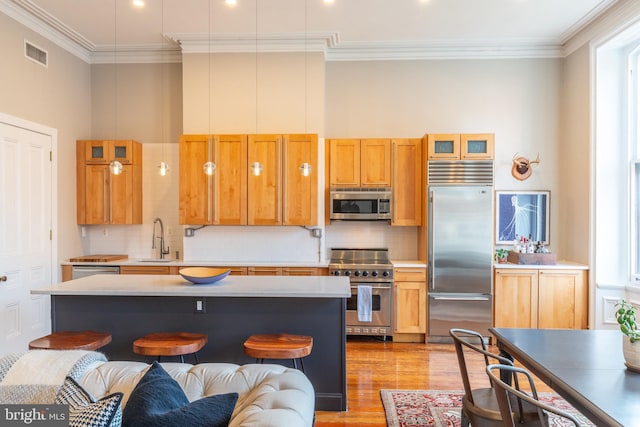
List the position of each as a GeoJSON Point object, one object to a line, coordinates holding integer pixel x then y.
{"type": "Point", "coordinates": [228, 322]}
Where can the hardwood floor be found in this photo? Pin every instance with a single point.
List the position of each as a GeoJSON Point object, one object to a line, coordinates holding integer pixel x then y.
{"type": "Point", "coordinates": [373, 365]}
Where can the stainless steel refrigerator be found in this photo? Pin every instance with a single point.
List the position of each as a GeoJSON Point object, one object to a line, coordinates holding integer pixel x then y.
{"type": "Point", "coordinates": [460, 251]}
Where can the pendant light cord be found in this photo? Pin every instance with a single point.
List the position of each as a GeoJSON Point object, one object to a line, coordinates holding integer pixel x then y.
{"type": "Point", "coordinates": [256, 65]}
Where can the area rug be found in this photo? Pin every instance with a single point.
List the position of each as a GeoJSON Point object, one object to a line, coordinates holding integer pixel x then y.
{"type": "Point", "coordinates": [441, 408]}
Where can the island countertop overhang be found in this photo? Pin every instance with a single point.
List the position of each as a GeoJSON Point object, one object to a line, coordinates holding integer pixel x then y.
{"type": "Point", "coordinates": [231, 286]}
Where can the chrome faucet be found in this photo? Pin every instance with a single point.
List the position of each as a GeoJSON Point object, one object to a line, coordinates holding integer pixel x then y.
{"type": "Point", "coordinates": [163, 251]}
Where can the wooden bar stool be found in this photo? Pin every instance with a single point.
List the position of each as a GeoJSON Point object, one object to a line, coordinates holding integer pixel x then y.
{"type": "Point", "coordinates": [170, 344]}
{"type": "Point", "coordinates": [71, 340]}
{"type": "Point", "coordinates": [279, 346]}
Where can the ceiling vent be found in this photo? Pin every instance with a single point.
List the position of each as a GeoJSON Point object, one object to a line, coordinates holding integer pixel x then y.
{"type": "Point", "coordinates": [36, 54]}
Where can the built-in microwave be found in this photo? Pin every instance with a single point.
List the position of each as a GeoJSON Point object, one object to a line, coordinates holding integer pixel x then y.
{"type": "Point", "coordinates": [360, 204]}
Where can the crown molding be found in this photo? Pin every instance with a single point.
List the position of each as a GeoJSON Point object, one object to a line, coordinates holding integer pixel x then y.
{"type": "Point", "coordinates": [37, 20]}
{"type": "Point", "coordinates": [617, 18]}
{"type": "Point", "coordinates": [349, 51]}
{"type": "Point", "coordinates": [136, 54]}
{"type": "Point", "coordinates": [250, 42]}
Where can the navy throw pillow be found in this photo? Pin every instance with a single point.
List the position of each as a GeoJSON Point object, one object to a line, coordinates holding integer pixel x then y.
{"type": "Point", "coordinates": [158, 401]}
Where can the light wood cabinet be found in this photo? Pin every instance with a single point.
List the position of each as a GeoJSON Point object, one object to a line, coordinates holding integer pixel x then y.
{"type": "Point", "coordinates": [410, 304]}
{"type": "Point", "coordinates": [102, 197]}
{"type": "Point", "coordinates": [360, 162]}
{"type": "Point", "coordinates": [300, 186]}
{"type": "Point", "coordinates": [407, 183]}
{"type": "Point", "coordinates": [103, 152]}
{"type": "Point", "coordinates": [145, 269]}
{"type": "Point", "coordinates": [279, 193]}
{"type": "Point", "coordinates": [476, 146]}
{"type": "Point", "coordinates": [541, 298]}
{"type": "Point", "coordinates": [286, 271]}
{"type": "Point", "coordinates": [219, 198]}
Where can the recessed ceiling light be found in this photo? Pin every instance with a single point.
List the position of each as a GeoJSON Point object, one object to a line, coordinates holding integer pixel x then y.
{"type": "Point", "coordinates": [231, 2]}
{"type": "Point", "coordinates": [329, 1]}
{"type": "Point", "coordinates": [138, 3]}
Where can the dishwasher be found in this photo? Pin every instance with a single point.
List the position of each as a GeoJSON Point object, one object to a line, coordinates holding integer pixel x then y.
{"type": "Point", "coordinates": [78, 271]}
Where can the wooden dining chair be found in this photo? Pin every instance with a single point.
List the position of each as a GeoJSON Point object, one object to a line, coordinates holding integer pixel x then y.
{"type": "Point", "coordinates": [479, 405]}
{"type": "Point", "coordinates": [511, 399]}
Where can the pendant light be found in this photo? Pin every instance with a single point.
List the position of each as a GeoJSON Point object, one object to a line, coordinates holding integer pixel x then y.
{"type": "Point", "coordinates": [256, 167]}
{"type": "Point", "coordinates": [209, 167]}
{"type": "Point", "coordinates": [115, 167]}
{"type": "Point", "coordinates": [162, 166]}
{"type": "Point", "coordinates": [305, 168]}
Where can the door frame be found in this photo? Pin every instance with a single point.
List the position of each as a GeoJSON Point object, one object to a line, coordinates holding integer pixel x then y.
{"type": "Point", "coordinates": [53, 226]}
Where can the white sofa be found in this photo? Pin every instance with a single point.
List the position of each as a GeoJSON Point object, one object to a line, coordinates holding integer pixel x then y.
{"type": "Point", "coordinates": [269, 395]}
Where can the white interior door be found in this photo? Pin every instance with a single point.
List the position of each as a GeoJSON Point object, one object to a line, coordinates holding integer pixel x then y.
{"type": "Point", "coordinates": [25, 235]}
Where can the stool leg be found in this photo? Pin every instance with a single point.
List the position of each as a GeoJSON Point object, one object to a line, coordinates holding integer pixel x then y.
{"type": "Point", "coordinates": [295, 364]}
{"type": "Point", "coordinates": [196, 356]}
{"type": "Point", "coordinates": [181, 358]}
{"type": "Point", "coordinates": [301, 365]}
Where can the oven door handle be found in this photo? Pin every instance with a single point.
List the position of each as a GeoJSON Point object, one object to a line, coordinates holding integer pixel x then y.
{"type": "Point", "coordinates": [372, 287]}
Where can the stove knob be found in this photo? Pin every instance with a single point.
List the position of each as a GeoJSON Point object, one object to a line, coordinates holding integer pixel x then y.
{"type": "Point", "coordinates": [357, 273]}
{"type": "Point", "coordinates": [336, 273]}
{"type": "Point", "coordinates": [374, 273]}
{"type": "Point", "coordinates": [348, 273]}
{"type": "Point", "coordinates": [365, 273]}
{"type": "Point", "coordinates": [385, 274]}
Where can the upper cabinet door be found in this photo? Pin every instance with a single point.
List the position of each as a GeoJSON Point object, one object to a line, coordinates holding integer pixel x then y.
{"type": "Point", "coordinates": [443, 147]}
{"type": "Point", "coordinates": [103, 152]}
{"type": "Point", "coordinates": [123, 207]}
{"type": "Point", "coordinates": [264, 180]}
{"type": "Point", "coordinates": [196, 187]}
{"type": "Point", "coordinates": [230, 179]}
{"type": "Point", "coordinates": [300, 187]}
{"type": "Point", "coordinates": [375, 163]}
{"type": "Point", "coordinates": [476, 146]}
{"type": "Point", "coordinates": [407, 182]}
{"type": "Point", "coordinates": [344, 162]}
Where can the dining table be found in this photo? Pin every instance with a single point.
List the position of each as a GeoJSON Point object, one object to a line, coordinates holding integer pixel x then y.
{"type": "Point", "coordinates": [585, 367]}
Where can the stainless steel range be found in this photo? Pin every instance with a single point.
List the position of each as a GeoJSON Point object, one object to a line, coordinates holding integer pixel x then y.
{"type": "Point", "coordinates": [370, 270]}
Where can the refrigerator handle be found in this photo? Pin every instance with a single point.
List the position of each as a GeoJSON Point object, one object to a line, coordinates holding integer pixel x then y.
{"type": "Point", "coordinates": [430, 253]}
{"type": "Point", "coordinates": [479, 298]}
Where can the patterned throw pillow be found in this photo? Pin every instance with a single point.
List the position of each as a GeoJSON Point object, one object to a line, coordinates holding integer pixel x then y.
{"type": "Point", "coordinates": [84, 411]}
{"type": "Point", "coordinates": [159, 401]}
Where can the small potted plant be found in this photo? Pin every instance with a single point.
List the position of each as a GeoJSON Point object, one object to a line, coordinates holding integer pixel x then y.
{"type": "Point", "coordinates": [626, 317]}
{"type": "Point", "coordinates": [501, 255]}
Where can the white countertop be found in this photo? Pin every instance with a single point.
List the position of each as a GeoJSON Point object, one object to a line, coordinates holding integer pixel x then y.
{"type": "Point", "coordinates": [561, 265]}
{"type": "Point", "coordinates": [196, 263]}
{"type": "Point", "coordinates": [230, 286]}
{"type": "Point", "coordinates": [408, 264]}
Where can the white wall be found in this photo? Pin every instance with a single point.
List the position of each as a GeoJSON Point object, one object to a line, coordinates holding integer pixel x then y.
{"type": "Point", "coordinates": [58, 96]}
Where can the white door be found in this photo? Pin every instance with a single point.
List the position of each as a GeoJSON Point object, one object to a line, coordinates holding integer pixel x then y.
{"type": "Point", "coordinates": [25, 242]}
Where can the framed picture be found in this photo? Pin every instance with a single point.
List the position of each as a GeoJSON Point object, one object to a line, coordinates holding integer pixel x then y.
{"type": "Point", "coordinates": [522, 213]}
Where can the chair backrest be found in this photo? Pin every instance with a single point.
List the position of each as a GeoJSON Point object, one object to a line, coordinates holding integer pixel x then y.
{"type": "Point", "coordinates": [504, 391]}
{"type": "Point", "coordinates": [463, 338]}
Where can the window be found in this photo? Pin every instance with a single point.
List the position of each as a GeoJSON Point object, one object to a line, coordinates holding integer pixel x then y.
{"type": "Point", "coordinates": [634, 152]}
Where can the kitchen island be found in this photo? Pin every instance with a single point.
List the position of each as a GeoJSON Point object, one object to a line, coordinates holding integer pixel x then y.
{"type": "Point", "coordinates": [228, 311]}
